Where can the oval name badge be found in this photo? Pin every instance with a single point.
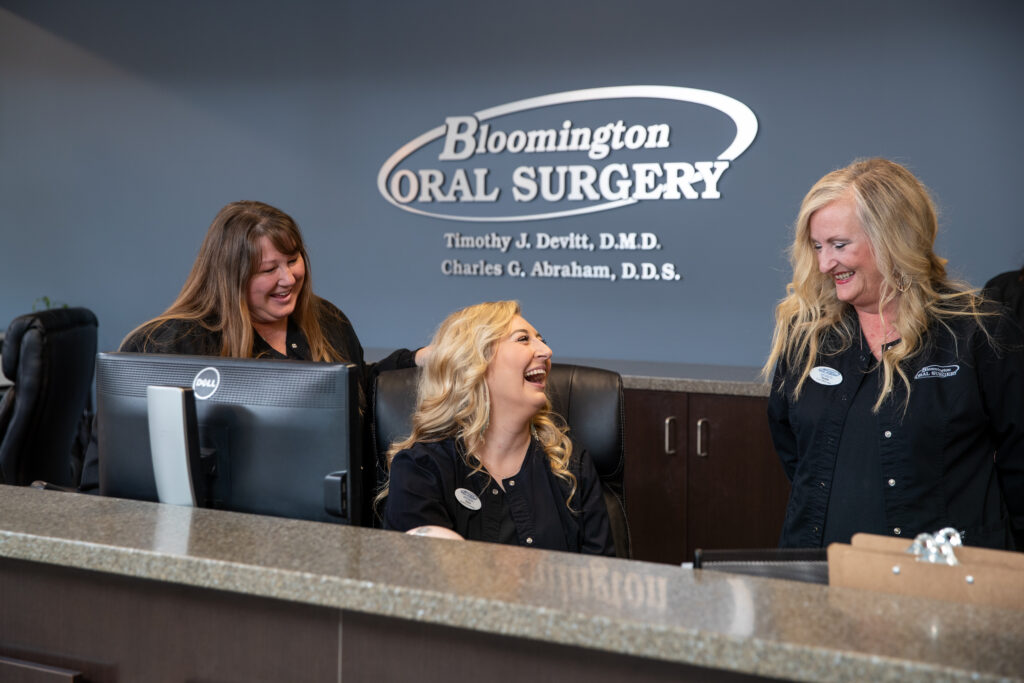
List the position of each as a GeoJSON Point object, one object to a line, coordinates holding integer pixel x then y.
{"type": "Point", "coordinates": [826, 376]}
{"type": "Point", "coordinates": [468, 499]}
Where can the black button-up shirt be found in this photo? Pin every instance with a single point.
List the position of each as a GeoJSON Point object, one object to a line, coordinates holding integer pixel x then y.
{"type": "Point", "coordinates": [531, 511]}
{"type": "Point", "coordinates": [190, 338]}
{"type": "Point", "coordinates": [954, 458]}
{"type": "Point", "coordinates": [856, 502]}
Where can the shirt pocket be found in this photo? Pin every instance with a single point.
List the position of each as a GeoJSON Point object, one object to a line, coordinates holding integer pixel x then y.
{"type": "Point", "coordinates": [810, 411]}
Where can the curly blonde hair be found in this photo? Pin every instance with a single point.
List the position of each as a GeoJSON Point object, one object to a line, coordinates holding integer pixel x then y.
{"type": "Point", "coordinates": [899, 219]}
{"type": "Point", "coordinates": [452, 398]}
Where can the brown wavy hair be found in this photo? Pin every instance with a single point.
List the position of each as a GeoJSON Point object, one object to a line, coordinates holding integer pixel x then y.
{"type": "Point", "coordinates": [900, 221]}
{"type": "Point", "coordinates": [452, 398]}
{"type": "Point", "coordinates": [215, 293]}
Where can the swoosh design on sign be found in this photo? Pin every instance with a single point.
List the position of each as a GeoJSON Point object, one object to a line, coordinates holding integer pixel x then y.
{"type": "Point", "coordinates": [742, 116]}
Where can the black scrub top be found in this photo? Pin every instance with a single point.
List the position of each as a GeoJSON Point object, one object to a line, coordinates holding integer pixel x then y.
{"type": "Point", "coordinates": [431, 484]}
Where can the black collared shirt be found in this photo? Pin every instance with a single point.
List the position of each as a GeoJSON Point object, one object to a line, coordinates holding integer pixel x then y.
{"type": "Point", "coordinates": [954, 458]}
{"type": "Point", "coordinates": [190, 338]}
{"type": "Point", "coordinates": [431, 483]}
{"type": "Point", "coordinates": [855, 502]}
{"type": "Point", "coordinates": [296, 345]}
{"type": "Point", "coordinates": [1008, 289]}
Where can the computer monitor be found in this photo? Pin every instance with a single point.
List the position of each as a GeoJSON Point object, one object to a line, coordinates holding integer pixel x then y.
{"type": "Point", "coordinates": [279, 437]}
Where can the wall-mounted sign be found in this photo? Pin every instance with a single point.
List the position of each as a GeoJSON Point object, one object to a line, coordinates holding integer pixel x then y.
{"type": "Point", "coordinates": [568, 154]}
{"type": "Point", "coordinates": [460, 170]}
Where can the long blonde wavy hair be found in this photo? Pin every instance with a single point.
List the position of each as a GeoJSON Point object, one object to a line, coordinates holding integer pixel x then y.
{"type": "Point", "coordinates": [452, 398]}
{"type": "Point", "coordinates": [899, 219]}
{"type": "Point", "coordinates": [215, 294]}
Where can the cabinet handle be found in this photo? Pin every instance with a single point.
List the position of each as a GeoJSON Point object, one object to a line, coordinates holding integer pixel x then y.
{"type": "Point", "coordinates": [669, 427]}
{"type": "Point", "coordinates": [701, 450]}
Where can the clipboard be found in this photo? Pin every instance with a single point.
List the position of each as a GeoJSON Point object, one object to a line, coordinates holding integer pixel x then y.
{"type": "Point", "coordinates": [980, 576]}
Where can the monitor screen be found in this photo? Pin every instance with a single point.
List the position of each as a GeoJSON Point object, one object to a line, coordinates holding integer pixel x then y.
{"type": "Point", "coordinates": [277, 436]}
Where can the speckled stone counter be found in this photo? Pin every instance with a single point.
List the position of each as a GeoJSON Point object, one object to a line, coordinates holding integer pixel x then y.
{"type": "Point", "coordinates": [763, 627]}
{"type": "Point", "coordinates": [683, 377]}
{"type": "Point", "coordinates": [696, 378]}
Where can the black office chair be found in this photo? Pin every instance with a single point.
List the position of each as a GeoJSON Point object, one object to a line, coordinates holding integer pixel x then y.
{"type": "Point", "coordinates": [50, 356]}
{"type": "Point", "coordinates": [590, 400]}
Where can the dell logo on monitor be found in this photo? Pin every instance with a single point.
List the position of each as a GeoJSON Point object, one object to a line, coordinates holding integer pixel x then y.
{"type": "Point", "coordinates": [206, 382]}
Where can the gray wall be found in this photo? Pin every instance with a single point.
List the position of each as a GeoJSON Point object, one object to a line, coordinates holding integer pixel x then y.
{"type": "Point", "coordinates": [125, 126]}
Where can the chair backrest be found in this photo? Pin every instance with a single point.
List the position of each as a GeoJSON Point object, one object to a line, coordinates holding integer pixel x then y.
{"type": "Point", "coordinates": [50, 356]}
{"type": "Point", "coordinates": [589, 399]}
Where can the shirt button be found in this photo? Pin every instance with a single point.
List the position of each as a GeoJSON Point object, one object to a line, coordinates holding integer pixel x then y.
{"type": "Point", "coordinates": [294, 345]}
{"type": "Point", "coordinates": [887, 434]}
{"type": "Point", "coordinates": [529, 540]}
{"type": "Point", "coordinates": [494, 491]}
{"type": "Point", "coordinates": [821, 484]}
{"type": "Point", "coordinates": [511, 482]}
{"type": "Point", "coordinates": [892, 482]}
{"type": "Point", "coordinates": [897, 531]}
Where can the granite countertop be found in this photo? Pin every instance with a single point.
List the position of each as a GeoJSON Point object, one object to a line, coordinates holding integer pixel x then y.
{"type": "Point", "coordinates": [696, 378]}
{"type": "Point", "coordinates": [683, 377]}
{"type": "Point", "coordinates": [746, 624]}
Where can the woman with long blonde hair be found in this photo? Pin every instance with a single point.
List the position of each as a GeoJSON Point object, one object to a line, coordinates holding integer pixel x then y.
{"type": "Point", "coordinates": [487, 459]}
{"type": "Point", "coordinates": [897, 404]}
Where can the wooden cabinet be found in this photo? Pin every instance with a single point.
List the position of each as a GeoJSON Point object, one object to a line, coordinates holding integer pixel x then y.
{"type": "Point", "coordinates": [701, 472]}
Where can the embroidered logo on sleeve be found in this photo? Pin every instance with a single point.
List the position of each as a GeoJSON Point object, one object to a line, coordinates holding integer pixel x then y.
{"type": "Point", "coordinates": [937, 371]}
{"type": "Point", "coordinates": [827, 376]}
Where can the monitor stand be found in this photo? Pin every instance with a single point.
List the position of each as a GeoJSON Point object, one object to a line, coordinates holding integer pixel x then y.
{"type": "Point", "coordinates": [174, 446]}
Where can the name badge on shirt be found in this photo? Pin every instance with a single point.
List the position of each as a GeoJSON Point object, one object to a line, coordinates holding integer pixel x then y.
{"type": "Point", "coordinates": [468, 499]}
{"type": "Point", "coordinates": [826, 376]}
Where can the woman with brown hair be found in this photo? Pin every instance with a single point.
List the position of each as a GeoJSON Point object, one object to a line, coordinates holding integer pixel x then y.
{"type": "Point", "coordinates": [897, 404]}
{"type": "Point", "coordinates": [487, 460]}
{"type": "Point", "coordinates": [250, 295]}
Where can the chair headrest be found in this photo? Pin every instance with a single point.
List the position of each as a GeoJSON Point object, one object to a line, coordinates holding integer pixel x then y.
{"type": "Point", "coordinates": [48, 322]}
{"type": "Point", "coordinates": [589, 399]}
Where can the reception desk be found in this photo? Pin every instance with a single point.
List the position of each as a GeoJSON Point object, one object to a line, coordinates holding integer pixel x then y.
{"type": "Point", "coordinates": [129, 591]}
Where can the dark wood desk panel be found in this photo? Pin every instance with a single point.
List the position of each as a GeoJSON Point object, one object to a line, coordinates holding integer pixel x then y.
{"type": "Point", "coordinates": [723, 487]}
{"type": "Point", "coordinates": [117, 629]}
{"type": "Point", "coordinates": [656, 483]}
{"type": "Point", "coordinates": [382, 649]}
{"type": "Point", "coordinates": [737, 489]}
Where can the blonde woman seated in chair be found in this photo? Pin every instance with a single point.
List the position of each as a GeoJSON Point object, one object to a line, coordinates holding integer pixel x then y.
{"type": "Point", "coordinates": [487, 460]}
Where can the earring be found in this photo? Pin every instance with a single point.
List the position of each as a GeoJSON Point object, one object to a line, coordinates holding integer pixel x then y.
{"type": "Point", "coordinates": [903, 282]}
{"type": "Point", "coordinates": [487, 409]}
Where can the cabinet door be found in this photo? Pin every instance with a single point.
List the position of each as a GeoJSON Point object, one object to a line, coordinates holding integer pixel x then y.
{"type": "Point", "coordinates": [655, 476]}
{"type": "Point", "coordinates": [737, 490]}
